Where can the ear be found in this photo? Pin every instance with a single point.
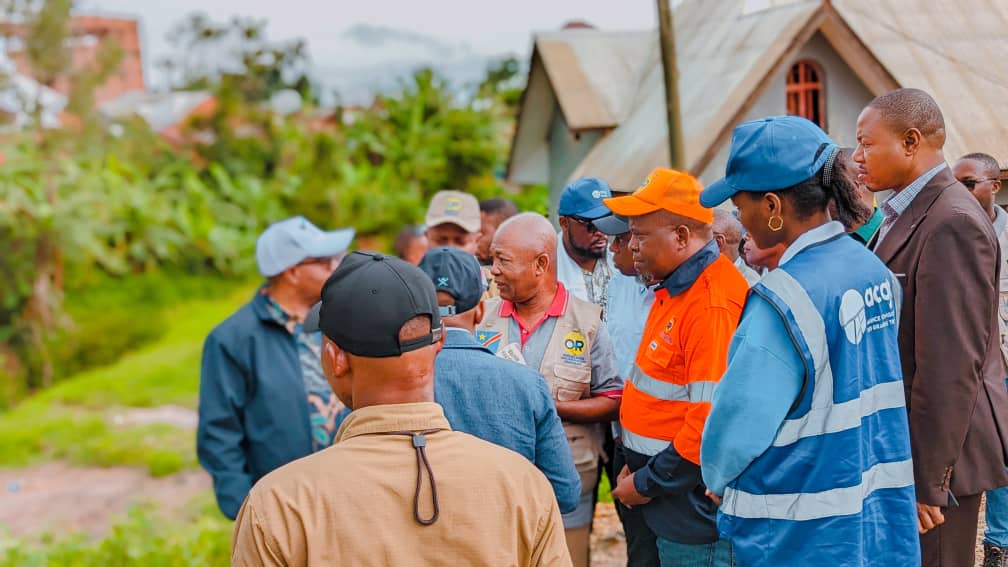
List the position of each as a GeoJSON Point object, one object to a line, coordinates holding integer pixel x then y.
{"type": "Point", "coordinates": [912, 141]}
{"type": "Point", "coordinates": [773, 203]}
{"type": "Point", "coordinates": [564, 223]}
{"type": "Point", "coordinates": [335, 362]}
{"type": "Point", "coordinates": [542, 263]}
{"type": "Point", "coordinates": [995, 186]}
{"type": "Point", "coordinates": [479, 312]}
{"type": "Point", "coordinates": [440, 344]}
{"type": "Point", "coordinates": [721, 240]}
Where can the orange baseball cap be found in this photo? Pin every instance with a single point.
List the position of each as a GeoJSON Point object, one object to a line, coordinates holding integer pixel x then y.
{"type": "Point", "coordinates": [674, 191]}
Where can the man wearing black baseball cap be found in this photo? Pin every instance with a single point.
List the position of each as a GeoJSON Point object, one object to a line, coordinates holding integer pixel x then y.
{"type": "Point", "coordinates": [398, 483]}
{"type": "Point", "coordinates": [497, 400]}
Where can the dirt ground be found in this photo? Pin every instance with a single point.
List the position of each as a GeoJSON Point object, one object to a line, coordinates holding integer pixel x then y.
{"type": "Point", "coordinates": [59, 498]}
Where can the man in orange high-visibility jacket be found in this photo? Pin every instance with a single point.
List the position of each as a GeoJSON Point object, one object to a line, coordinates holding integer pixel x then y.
{"type": "Point", "coordinates": [683, 352]}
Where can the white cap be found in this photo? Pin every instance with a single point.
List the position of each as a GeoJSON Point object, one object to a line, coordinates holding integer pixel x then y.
{"type": "Point", "coordinates": [287, 243]}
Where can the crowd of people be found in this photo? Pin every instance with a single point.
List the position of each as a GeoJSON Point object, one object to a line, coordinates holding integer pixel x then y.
{"type": "Point", "coordinates": [786, 367]}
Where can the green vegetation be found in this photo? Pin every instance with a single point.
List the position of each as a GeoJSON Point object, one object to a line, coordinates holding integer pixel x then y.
{"type": "Point", "coordinates": [199, 537]}
{"type": "Point", "coordinates": [75, 420]}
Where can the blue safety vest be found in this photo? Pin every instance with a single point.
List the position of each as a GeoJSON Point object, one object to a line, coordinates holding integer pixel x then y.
{"type": "Point", "coordinates": [836, 486]}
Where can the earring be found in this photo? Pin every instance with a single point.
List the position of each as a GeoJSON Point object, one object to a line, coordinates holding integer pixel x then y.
{"type": "Point", "coordinates": [775, 223]}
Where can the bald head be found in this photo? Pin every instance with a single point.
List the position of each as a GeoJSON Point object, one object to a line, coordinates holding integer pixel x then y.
{"type": "Point", "coordinates": [524, 258]}
{"type": "Point", "coordinates": [529, 232]}
{"type": "Point", "coordinates": [728, 233]}
{"type": "Point", "coordinates": [906, 109]}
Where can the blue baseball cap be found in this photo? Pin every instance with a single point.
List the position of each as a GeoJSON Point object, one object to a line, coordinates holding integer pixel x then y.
{"type": "Point", "coordinates": [289, 242]}
{"type": "Point", "coordinates": [769, 155]}
{"type": "Point", "coordinates": [583, 198]}
{"type": "Point", "coordinates": [457, 273]}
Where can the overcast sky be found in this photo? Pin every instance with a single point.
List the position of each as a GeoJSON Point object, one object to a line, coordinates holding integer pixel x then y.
{"type": "Point", "coordinates": [341, 33]}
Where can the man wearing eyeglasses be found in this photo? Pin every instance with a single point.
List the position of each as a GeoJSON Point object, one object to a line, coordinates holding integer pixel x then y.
{"type": "Point", "coordinates": [582, 263]}
{"type": "Point", "coordinates": [981, 174]}
{"type": "Point", "coordinates": [263, 398]}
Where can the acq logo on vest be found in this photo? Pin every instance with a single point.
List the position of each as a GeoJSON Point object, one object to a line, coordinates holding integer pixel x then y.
{"type": "Point", "coordinates": [853, 305]}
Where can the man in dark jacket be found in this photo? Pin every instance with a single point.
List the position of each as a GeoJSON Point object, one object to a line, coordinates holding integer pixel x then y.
{"type": "Point", "coordinates": [263, 398]}
{"type": "Point", "coordinates": [940, 244]}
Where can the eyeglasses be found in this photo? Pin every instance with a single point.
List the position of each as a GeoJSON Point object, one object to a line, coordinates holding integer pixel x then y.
{"type": "Point", "coordinates": [588, 224]}
{"type": "Point", "coordinates": [971, 183]}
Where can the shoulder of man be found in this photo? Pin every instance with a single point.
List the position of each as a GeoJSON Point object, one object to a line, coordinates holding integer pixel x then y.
{"type": "Point", "coordinates": [726, 287]}
{"type": "Point", "coordinates": [242, 323]}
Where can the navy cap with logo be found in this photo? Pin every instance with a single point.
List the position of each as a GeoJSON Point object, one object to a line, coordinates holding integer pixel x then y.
{"type": "Point", "coordinates": [769, 155]}
{"type": "Point", "coordinates": [366, 302]}
{"type": "Point", "coordinates": [457, 273]}
{"type": "Point", "coordinates": [583, 199]}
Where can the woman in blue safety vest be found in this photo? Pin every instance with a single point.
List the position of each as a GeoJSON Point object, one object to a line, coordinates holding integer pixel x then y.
{"type": "Point", "coordinates": [807, 447]}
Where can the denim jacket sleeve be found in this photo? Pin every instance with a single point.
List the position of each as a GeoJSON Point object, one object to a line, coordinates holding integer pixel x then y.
{"type": "Point", "coordinates": [552, 454]}
{"type": "Point", "coordinates": [219, 435]}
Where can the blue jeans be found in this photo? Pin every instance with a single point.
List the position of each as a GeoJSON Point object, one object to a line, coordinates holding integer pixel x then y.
{"type": "Point", "coordinates": [717, 554]}
{"type": "Point", "coordinates": [997, 515]}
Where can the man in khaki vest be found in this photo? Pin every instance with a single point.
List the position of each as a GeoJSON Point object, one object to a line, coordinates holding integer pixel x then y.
{"type": "Point", "coordinates": [536, 322]}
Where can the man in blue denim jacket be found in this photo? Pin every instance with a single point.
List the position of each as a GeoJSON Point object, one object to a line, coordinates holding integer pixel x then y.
{"type": "Point", "coordinates": [263, 400]}
{"type": "Point", "coordinates": [497, 400]}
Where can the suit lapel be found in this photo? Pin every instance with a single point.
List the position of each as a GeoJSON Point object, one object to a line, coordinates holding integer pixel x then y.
{"type": "Point", "coordinates": [908, 222]}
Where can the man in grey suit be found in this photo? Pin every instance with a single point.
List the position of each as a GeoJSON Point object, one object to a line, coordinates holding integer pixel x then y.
{"type": "Point", "coordinates": [941, 245]}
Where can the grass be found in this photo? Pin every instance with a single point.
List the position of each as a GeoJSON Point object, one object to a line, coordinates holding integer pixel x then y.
{"type": "Point", "coordinates": [200, 536]}
{"type": "Point", "coordinates": [71, 420]}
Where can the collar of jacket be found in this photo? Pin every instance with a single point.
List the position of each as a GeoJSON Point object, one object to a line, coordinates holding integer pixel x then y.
{"type": "Point", "coordinates": [386, 418]}
{"type": "Point", "coordinates": [687, 273]}
{"type": "Point", "coordinates": [457, 337]}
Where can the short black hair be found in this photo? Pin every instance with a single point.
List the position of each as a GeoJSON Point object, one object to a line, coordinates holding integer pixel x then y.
{"type": "Point", "coordinates": [499, 207]}
{"type": "Point", "coordinates": [990, 165]}
{"type": "Point", "coordinates": [904, 109]}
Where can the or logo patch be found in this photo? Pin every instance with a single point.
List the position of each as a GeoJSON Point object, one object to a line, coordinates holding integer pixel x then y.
{"type": "Point", "coordinates": [453, 205]}
{"type": "Point", "coordinates": [442, 281]}
{"type": "Point", "coordinates": [575, 343]}
{"type": "Point", "coordinates": [490, 339]}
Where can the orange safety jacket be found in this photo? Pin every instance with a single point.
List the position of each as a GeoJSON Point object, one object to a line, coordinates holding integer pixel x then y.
{"type": "Point", "coordinates": [682, 355]}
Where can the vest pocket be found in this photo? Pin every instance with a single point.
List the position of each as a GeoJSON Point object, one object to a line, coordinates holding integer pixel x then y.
{"type": "Point", "coordinates": [669, 359]}
{"type": "Point", "coordinates": [570, 382]}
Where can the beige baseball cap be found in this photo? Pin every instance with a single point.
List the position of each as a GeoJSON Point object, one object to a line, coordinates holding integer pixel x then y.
{"type": "Point", "coordinates": [454, 207]}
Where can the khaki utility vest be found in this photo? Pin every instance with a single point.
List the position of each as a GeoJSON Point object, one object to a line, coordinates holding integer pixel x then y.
{"type": "Point", "coordinates": [566, 366]}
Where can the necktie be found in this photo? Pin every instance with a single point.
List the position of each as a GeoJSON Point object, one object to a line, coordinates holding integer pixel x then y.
{"type": "Point", "coordinates": [890, 219]}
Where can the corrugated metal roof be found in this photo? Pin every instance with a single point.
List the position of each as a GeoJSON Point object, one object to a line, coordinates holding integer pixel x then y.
{"type": "Point", "coordinates": [955, 51]}
{"type": "Point", "coordinates": [160, 110]}
{"type": "Point", "coordinates": [595, 74]}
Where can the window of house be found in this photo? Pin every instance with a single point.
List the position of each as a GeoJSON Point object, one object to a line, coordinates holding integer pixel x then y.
{"type": "Point", "coordinates": [806, 95]}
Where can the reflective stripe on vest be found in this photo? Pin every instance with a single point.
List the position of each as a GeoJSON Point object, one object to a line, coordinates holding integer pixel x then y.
{"type": "Point", "coordinates": [643, 445]}
{"type": "Point", "coordinates": [824, 415]}
{"type": "Point", "coordinates": [693, 392]}
{"type": "Point", "coordinates": [828, 503]}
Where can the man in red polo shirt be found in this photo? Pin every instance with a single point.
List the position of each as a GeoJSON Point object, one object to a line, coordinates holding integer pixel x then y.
{"type": "Point", "coordinates": [538, 323]}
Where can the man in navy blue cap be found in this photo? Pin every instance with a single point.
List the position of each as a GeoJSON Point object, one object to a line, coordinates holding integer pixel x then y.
{"type": "Point", "coordinates": [497, 400]}
{"type": "Point", "coordinates": [582, 265]}
{"type": "Point", "coordinates": [263, 400]}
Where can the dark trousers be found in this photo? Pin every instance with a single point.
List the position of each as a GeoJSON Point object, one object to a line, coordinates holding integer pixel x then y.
{"type": "Point", "coordinates": [952, 544]}
{"type": "Point", "coordinates": [642, 544]}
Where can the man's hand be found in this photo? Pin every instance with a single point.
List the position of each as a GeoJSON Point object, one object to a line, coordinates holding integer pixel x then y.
{"type": "Point", "coordinates": [625, 490]}
{"type": "Point", "coordinates": [928, 517]}
{"type": "Point", "coordinates": [714, 497]}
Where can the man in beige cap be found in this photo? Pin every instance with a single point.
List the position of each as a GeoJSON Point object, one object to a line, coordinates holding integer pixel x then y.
{"type": "Point", "coordinates": [453, 219]}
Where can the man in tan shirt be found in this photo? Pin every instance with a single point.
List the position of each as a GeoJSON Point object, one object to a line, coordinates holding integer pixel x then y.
{"type": "Point", "coordinates": [398, 487]}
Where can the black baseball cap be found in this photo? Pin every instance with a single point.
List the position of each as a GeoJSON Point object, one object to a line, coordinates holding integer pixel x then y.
{"type": "Point", "coordinates": [457, 273]}
{"type": "Point", "coordinates": [367, 300]}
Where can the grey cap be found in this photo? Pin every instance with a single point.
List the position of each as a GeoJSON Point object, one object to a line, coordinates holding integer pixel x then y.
{"type": "Point", "coordinates": [289, 242]}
